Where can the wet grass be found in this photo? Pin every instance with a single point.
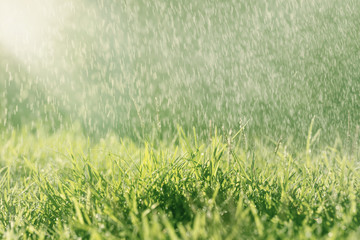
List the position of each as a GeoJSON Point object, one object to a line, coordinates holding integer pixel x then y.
{"type": "Point", "coordinates": [130, 72]}
{"type": "Point", "coordinates": [62, 186]}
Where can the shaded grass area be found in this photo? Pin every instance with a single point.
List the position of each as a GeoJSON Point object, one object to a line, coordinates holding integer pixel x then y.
{"type": "Point", "coordinates": [62, 186]}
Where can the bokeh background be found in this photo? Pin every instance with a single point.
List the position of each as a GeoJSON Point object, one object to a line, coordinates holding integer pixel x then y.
{"type": "Point", "coordinates": [140, 68]}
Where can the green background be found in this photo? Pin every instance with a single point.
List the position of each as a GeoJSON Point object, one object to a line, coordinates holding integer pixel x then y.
{"type": "Point", "coordinates": [138, 68]}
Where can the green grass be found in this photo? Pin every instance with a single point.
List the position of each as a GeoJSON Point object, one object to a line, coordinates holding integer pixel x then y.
{"type": "Point", "coordinates": [64, 186]}
{"type": "Point", "coordinates": [90, 143]}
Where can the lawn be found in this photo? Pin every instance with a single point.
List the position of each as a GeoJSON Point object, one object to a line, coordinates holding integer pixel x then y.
{"type": "Point", "coordinates": [155, 119]}
{"type": "Point", "coordinates": [64, 186]}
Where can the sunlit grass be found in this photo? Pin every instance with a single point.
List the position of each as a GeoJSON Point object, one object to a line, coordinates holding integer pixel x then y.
{"type": "Point", "coordinates": [63, 186]}
{"type": "Point", "coordinates": [151, 119]}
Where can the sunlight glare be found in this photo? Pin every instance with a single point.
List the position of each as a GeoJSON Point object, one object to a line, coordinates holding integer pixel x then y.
{"type": "Point", "coordinates": [22, 26]}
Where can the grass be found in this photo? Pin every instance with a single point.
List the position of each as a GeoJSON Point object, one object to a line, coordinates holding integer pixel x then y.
{"type": "Point", "coordinates": [63, 186]}
{"type": "Point", "coordinates": [130, 72]}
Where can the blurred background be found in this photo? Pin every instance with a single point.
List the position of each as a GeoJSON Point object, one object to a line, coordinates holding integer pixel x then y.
{"type": "Point", "coordinates": [140, 68]}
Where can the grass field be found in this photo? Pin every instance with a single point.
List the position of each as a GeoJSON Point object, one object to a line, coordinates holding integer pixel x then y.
{"type": "Point", "coordinates": [63, 186]}
{"type": "Point", "coordinates": [155, 119]}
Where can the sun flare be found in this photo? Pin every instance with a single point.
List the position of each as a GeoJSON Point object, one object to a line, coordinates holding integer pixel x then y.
{"type": "Point", "coordinates": [22, 26]}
